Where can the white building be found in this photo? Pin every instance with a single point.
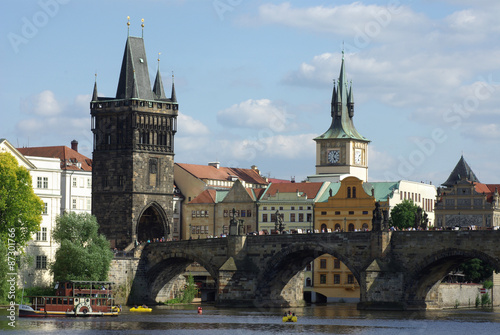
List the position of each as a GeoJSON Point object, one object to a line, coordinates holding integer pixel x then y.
{"type": "Point", "coordinates": [46, 178]}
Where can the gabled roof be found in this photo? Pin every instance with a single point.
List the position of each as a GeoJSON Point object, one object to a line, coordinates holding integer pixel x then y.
{"type": "Point", "coordinates": [256, 193]}
{"type": "Point", "coordinates": [276, 181]}
{"type": "Point", "coordinates": [461, 171]}
{"type": "Point", "coordinates": [205, 197]}
{"type": "Point", "coordinates": [18, 155]}
{"type": "Point", "coordinates": [207, 172]}
{"type": "Point", "coordinates": [306, 189]}
{"type": "Point", "coordinates": [70, 159]}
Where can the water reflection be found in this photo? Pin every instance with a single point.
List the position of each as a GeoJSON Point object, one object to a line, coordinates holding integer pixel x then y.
{"type": "Point", "coordinates": [327, 319]}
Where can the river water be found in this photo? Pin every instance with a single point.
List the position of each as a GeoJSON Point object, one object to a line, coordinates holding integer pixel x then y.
{"type": "Point", "coordinates": [325, 319]}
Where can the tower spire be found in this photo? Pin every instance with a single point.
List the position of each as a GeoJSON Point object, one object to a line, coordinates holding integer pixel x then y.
{"type": "Point", "coordinates": [94, 94]}
{"type": "Point", "coordinates": [173, 97]}
{"type": "Point", "coordinates": [158, 90]}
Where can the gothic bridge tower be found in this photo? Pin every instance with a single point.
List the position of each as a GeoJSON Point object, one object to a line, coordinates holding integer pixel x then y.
{"type": "Point", "coordinates": [341, 150]}
{"type": "Point", "coordinates": [133, 154]}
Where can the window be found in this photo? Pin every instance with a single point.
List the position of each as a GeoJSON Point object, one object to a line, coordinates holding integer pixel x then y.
{"type": "Point", "coordinates": [337, 212]}
{"type": "Point", "coordinates": [354, 192]}
{"type": "Point", "coordinates": [323, 213]}
{"type": "Point", "coordinates": [226, 213]}
{"type": "Point", "coordinates": [350, 279]}
{"type": "Point", "coordinates": [45, 208]}
{"type": "Point", "coordinates": [264, 208]}
{"type": "Point", "coordinates": [193, 214]}
{"type": "Point", "coordinates": [41, 262]}
{"type": "Point", "coordinates": [351, 212]}
{"type": "Point", "coordinates": [308, 282]}
{"type": "Point", "coordinates": [243, 213]}
{"type": "Point", "coordinates": [336, 263]}
{"type": "Point", "coordinates": [301, 217]}
{"type": "Point", "coordinates": [264, 217]}
{"type": "Point", "coordinates": [301, 208]}
{"type": "Point", "coordinates": [273, 217]}
{"type": "Point", "coordinates": [309, 217]}
{"type": "Point", "coordinates": [73, 201]}
{"type": "Point", "coordinates": [309, 208]}
{"type": "Point", "coordinates": [281, 208]}
{"type": "Point", "coordinates": [336, 279]}
{"type": "Point", "coordinates": [365, 212]}
{"type": "Point", "coordinates": [351, 227]}
{"type": "Point", "coordinates": [74, 181]}
{"type": "Point", "coordinates": [42, 182]}
{"type": "Point", "coordinates": [89, 183]}
{"type": "Point", "coordinates": [42, 234]}
{"type": "Point", "coordinates": [272, 208]}
{"type": "Point", "coordinates": [348, 192]}
{"type": "Point", "coordinates": [82, 182]}
{"type": "Point", "coordinates": [322, 263]}
{"type": "Point", "coordinates": [322, 279]}
{"type": "Point", "coordinates": [89, 203]}
{"type": "Point", "coordinates": [292, 208]}
{"type": "Point", "coordinates": [292, 217]}
{"type": "Point", "coordinates": [249, 213]}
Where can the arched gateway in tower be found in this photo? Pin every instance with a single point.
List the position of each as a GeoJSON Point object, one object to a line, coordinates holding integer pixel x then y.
{"type": "Point", "coordinates": [133, 156]}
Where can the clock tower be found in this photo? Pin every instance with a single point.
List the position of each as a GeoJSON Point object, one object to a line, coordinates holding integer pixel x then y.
{"type": "Point", "coordinates": [341, 151]}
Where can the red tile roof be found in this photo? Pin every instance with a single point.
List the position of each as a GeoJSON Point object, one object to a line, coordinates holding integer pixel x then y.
{"type": "Point", "coordinates": [487, 189]}
{"type": "Point", "coordinates": [310, 189]}
{"type": "Point", "coordinates": [276, 181]}
{"type": "Point", "coordinates": [205, 197]}
{"type": "Point", "coordinates": [69, 157]}
{"type": "Point", "coordinates": [222, 173]}
{"type": "Point", "coordinates": [255, 193]}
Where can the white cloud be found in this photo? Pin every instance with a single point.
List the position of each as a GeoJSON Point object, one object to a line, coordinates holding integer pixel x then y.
{"type": "Point", "coordinates": [188, 126]}
{"type": "Point", "coordinates": [256, 114]}
{"type": "Point", "coordinates": [43, 104]}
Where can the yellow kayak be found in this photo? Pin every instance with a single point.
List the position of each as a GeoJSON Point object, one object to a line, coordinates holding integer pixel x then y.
{"type": "Point", "coordinates": [290, 318]}
{"type": "Point", "coordinates": [116, 309]}
{"type": "Point", "coordinates": [141, 309]}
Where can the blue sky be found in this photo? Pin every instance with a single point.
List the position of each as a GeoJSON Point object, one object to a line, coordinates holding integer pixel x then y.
{"type": "Point", "coordinates": [254, 78]}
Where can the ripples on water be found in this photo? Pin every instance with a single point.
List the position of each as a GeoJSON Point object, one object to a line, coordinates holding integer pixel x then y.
{"type": "Point", "coordinates": [328, 319]}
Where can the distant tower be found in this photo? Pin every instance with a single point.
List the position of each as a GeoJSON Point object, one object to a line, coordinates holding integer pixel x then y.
{"type": "Point", "coordinates": [133, 157]}
{"type": "Point", "coordinates": [341, 150]}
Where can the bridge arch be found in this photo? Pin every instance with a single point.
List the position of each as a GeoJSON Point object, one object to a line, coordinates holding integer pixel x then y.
{"type": "Point", "coordinates": [430, 270]}
{"type": "Point", "coordinates": [279, 273]}
{"type": "Point", "coordinates": [172, 264]}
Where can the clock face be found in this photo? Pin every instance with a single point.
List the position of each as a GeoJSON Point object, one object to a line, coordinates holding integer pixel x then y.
{"type": "Point", "coordinates": [333, 156]}
{"type": "Point", "coordinates": [357, 156]}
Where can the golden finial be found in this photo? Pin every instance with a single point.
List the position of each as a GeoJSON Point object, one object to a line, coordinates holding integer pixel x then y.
{"type": "Point", "coordinates": [128, 25]}
{"type": "Point", "coordinates": [159, 53]}
{"type": "Point", "coordinates": [142, 25]}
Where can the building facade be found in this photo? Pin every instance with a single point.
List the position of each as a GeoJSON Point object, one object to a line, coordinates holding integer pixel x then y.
{"type": "Point", "coordinates": [133, 155]}
{"type": "Point", "coordinates": [464, 202]}
{"type": "Point", "coordinates": [46, 180]}
{"type": "Point", "coordinates": [294, 202]}
{"type": "Point", "coordinates": [350, 208]}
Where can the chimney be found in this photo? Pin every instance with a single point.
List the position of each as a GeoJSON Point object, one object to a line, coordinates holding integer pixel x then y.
{"type": "Point", "coordinates": [214, 164]}
{"type": "Point", "coordinates": [74, 145]}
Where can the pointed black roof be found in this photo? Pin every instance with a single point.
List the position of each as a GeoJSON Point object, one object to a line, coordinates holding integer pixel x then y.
{"type": "Point", "coordinates": [134, 75]}
{"type": "Point", "coordinates": [158, 90]}
{"type": "Point", "coordinates": [94, 94]}
{"type": "Point", "coordinates": [173, 97]}
{"type": "Point", "coordinates": [461, 171]}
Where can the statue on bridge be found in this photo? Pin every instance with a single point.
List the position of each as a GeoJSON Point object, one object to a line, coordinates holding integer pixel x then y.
{"type": "Point", "coordinates": [235, 225]}
{"type": "Point", "coordinates": [377, 218]}
{"type": "Point", "coordinates": [278, 222]}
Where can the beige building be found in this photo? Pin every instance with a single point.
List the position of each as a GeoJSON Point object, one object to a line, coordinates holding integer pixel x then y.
{"type": "Point", "coordinates": [465, 202]}
{"type": "Point", "coordinates": [294, 202]}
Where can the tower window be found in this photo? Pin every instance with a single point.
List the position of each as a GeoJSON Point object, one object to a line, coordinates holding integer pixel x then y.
{"type": "Point", "coordinates": [348, 192]}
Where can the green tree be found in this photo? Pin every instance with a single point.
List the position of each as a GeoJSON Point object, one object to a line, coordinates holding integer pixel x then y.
{"type": "Point", "coordinates": [20, 208]}
{"type": "Point", "coordinates": [403, 214]}
{"type": "Point", "coordinates": [476, 271]}
{"type": "Point", "coordinates": [84, 254]}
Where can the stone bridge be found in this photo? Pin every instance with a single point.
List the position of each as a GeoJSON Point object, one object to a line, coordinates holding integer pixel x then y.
{"type": "Point", "coordinates": [395, 270]}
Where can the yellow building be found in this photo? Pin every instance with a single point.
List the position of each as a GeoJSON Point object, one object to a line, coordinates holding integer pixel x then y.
{"type": "Point", "coordinates": [349, 209]}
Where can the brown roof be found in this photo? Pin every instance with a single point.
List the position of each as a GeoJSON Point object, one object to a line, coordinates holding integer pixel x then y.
{"type": "Point", "coordinates": [276, 181]}
{"type": "Point", "coordinates": [487, 189]}
{"type": "Point", "coordinates": [255, 193]}
{"type": "Point", "coordinates": [222, 173]}
{"type": "Point", "coordinates": [69, 157]}
{"type": "Point", "coordinates": [310, 189]}
{"type": "Point", "coordinates": [205, 197]}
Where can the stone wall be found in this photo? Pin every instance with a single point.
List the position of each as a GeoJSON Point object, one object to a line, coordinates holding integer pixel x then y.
{"type": "Point", "coordinates": [457, 295]}
{"type": "Point", "coordinates": [122, 272]}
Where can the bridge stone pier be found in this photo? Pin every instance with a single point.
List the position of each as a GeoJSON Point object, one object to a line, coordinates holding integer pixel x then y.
{"type": "Point", "coordinates": [395, 270]}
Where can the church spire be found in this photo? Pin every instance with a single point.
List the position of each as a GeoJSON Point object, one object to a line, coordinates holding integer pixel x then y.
{"type": "Point", "coordinates": [94, 94]}
{"type": "Point", "coordinates": [173, 97]}
{"type": "Point", "coordinates": [342, 126]}
{"type": "Point", "coordinates": [158, 90]}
